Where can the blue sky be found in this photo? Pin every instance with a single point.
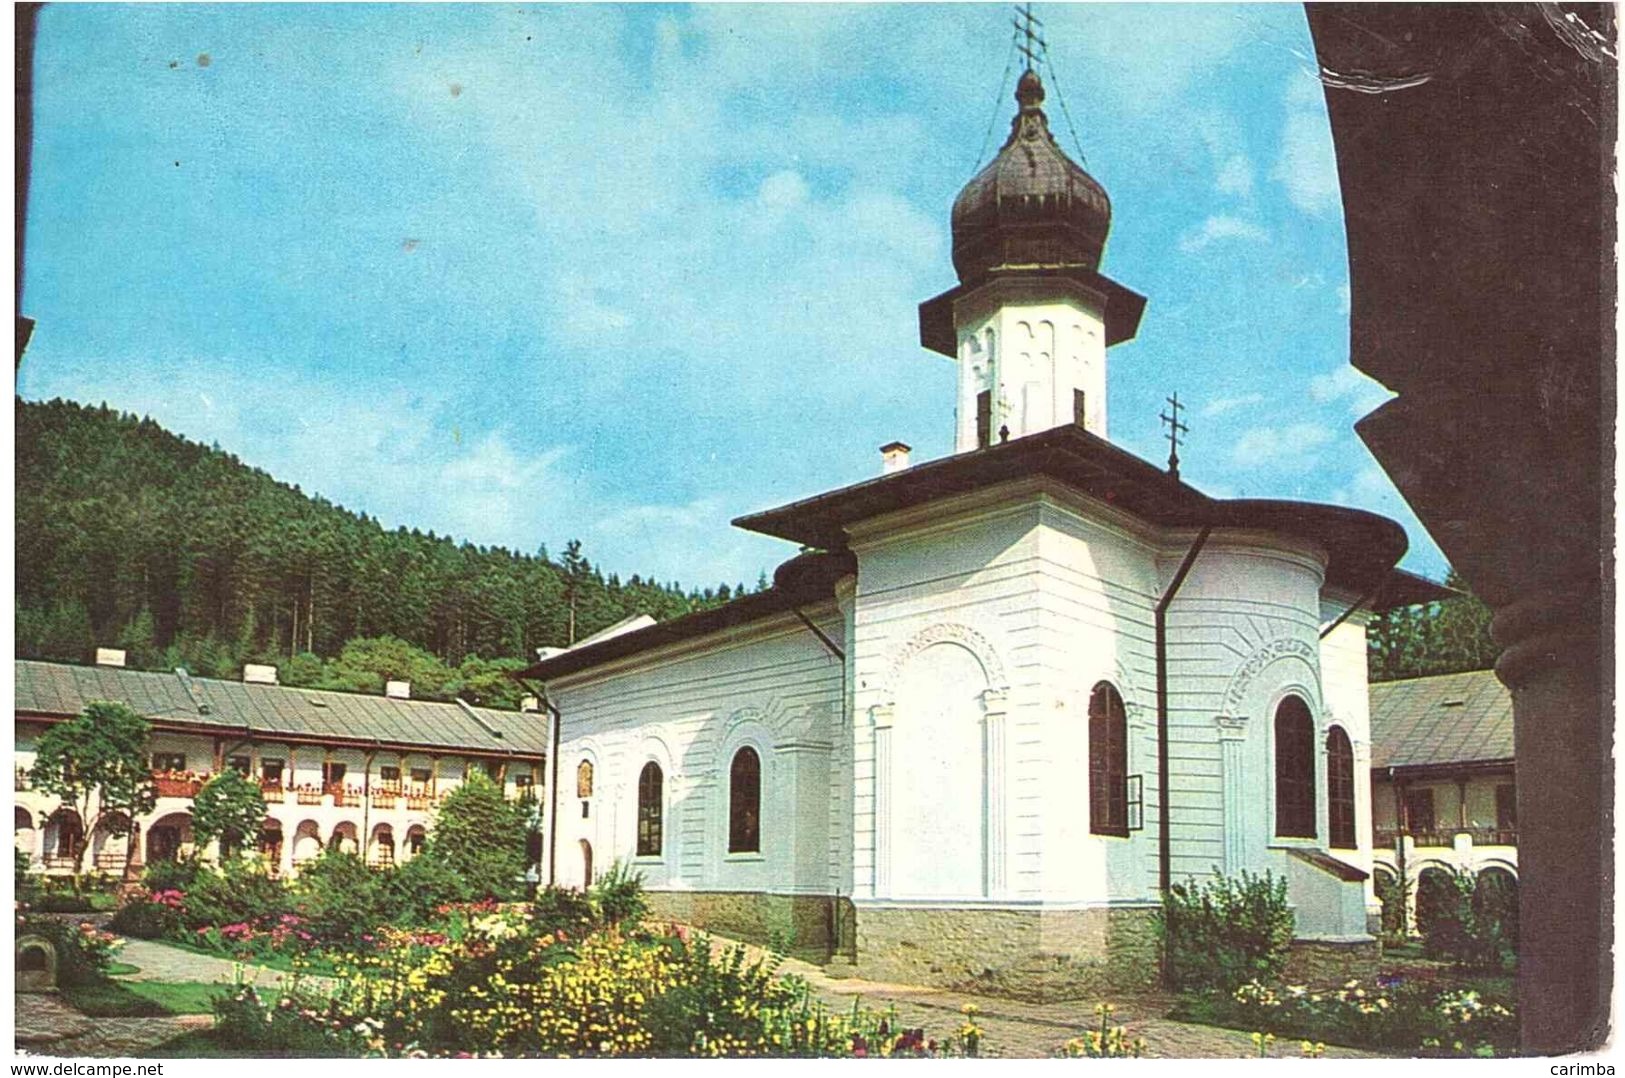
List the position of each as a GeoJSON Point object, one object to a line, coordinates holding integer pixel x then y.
{"type": "Point", "coordinates": [622, 273]}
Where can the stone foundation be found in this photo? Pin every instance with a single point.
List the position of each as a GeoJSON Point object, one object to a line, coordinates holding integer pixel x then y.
{"type": "Point", "coordinates": [1033, 954]}
{"type": "Point", "coordinates": [804, 924]}
{"type": "Point", "coordinates": [1325, 963]}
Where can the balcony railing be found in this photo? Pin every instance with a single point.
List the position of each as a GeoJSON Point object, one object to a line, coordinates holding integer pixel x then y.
{"type": "Point", "coordinates": [344, 796]}
{"type": "Point", "coordinates": [22, 779]}
{"type": "Point", "coordinates": [172, 785]}
{"type": "Point", "coordinates": [1436, 837]}
{"type": "Point", "coordinates": [307, 795]}
{"type": "Point", "coordinates": [60, 862]}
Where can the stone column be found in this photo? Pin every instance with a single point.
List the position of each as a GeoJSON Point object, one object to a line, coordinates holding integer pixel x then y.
{"type": "Point", "coordinates": [1233, 777]}
{"type": "Point", "coordinates": [994, 706]}
{"type": "Point", "coordinates": [882, 718]}
{"type": "Point", "coordinates": [1562, 739]}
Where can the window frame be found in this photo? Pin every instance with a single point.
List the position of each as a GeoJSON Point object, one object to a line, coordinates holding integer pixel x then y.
{"type": "Point", "coordinates": [744, 831]}
{"type": "Point", "coordinates": [651, 814]}
{"type": "Point", "coordinates": [1108, 762]}
{"type": "Point", "coordinates": [1294, 786]}
{"type": "Point", "coordinates": [1342, 814]}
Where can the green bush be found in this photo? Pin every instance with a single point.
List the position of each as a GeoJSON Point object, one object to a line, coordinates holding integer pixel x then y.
{"type": "Point", "coordinates": [1462, 922]}
{"type": "Point", "coordinates": [1391, 892]}
{"type": "Point", "coordinates": [83, 953]}
{"type": "Point", "coordinates": [480, 835]}
{"type": "Point", "coordinates": [618, 895]}
{"type": "Point", "coordinates": [563, 909]}
{"type": "Point", "coordinates": [340, 898]}
{"type": "Point", "coordinates": [145, 920]}
{"type": "Point", "coordinates": [174, 875]}
{"type": "Point", "coordinates": [415, 890]}
{"type": "Point", "coordinates": [1225, 932]}
{"type": "Point", "coordinates": [239, 892]}
{"type": "Point", "coordinates": [289, 1027]}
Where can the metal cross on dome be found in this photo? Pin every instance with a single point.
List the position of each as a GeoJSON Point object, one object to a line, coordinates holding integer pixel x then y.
{"type": "Point", "coordinates": [1030, 41]}
{"type": "Point", "coordinates": [1175, 429]}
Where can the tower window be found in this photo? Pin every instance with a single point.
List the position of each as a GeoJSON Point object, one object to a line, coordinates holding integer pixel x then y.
{"type": "Point", "coordinates": [984, 419]}
{"type": "Point", "coordinates": [1294, 770]}
{"type": "Point", "coordinates": [651, 795]}
{"type": "Point", "coordinates": [1108, 762]}
{"type": "Point", "coordinates": [1079, 413]}
{"type": "Point", "coordinates": [745, 803]}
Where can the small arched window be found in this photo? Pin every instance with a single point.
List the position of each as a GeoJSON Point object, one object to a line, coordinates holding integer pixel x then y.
{"type": "Point", "coordinates": [1108, 762]}
{"type": "Point", "coordinates": [745, 802]}
{"type": "Point", "coordinates": [1294, 770]}
{"type": "Point", "coordinates": [1340, 790]}
{"type": "Point", "coordinates": [584, 779]}
{"type": "Point", "coordinates": [651, 802]}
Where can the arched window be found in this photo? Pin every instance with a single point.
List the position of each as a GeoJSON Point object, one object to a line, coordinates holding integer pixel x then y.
{"type": "Point", "coordinates": [651, 802]}
{"type": "Point", "coordinates": [745, 803]}
{"type": "Point", "coordinates": [1294, 770]}
{"type": "Point", "coordinates": [1340, 789]}
{"type": "Point", "coordinates": [1108, 762]}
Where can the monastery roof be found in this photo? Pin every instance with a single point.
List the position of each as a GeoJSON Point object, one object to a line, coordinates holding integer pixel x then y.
{"type": "Point", "coordinates": [60, 690]}
{"type": "Point", "coordinates": [1361, 547]}
{"type": "Point", "coordinates": [1446, 719]}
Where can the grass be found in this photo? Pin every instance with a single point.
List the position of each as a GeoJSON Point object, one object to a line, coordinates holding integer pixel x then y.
{"type": "Point", "coordinates": [208, 1044]}
{"type": "Point", "coordinates": [146, 999]}
{"type": "Point", "coordinates": [121, 969]}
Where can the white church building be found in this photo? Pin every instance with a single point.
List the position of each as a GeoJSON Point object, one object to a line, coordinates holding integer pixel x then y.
{"type": "Point", "coordinates": [1002, 699]}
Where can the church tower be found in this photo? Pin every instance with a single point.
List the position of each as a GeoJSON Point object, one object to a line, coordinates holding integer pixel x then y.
{"type": "Point", "coordinates": [1032, 317]}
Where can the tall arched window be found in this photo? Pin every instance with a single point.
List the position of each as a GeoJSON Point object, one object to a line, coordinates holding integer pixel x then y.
{"type": "Point", "coordinates": [745, 803]}
{"type": "Point", "coordinates": [1294, 770]}
{"type": "Point", "coordinates": [1340, 790]}
{"type": "Point", "coordinates": [1108, 762]}
{"type": "Point", "coordinates": [651, 802]}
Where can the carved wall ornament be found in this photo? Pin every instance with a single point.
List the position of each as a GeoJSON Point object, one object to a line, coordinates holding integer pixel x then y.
{"type": "Point", "coordinates": [1286, 647]}
{"type": "Point", "coordinates": [946, 633]}
{"type": "Point", "coordinates": [1231, 726]}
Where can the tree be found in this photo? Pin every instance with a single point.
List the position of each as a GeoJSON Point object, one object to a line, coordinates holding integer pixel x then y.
{"type": "Point", "coordinates": [1433, 638]}
{"type": "Point", "coordinates": [96, 762]}
{"type": "Point", "coordinates": [480, 835]}
{"type": "Point", "coordinates": [228, 808]}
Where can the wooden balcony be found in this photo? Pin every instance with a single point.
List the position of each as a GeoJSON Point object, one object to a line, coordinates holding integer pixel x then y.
{"type": "Point", "coordinates": [307, 795]}
{"type": "Point", "coordinates": [344, 796]}
{"type": "Point", "coordinates": [177, 785]}
{"type": "Point", "coordinates": [1436, 838]}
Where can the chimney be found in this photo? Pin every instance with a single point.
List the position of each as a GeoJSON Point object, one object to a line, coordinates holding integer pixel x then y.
{"type": "Point", "coordinates": [256, 674]}
{"type": "Point", "coordinates": [109, 656]}
{"type": "Point", "coordinates": [893, 457]}
{"type": "Point", "coordinates": [529, 703]}
{"type": "Point", "coordinates": [400, 690]}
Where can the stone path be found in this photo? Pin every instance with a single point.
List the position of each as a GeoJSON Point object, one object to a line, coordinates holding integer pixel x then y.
{"type": "Point", "coordinates": [161, 962]}
{"type": "Point", "coordinates": [48, 1026]}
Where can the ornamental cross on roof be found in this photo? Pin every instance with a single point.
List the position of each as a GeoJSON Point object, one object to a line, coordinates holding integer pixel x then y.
{"type": "Point", "coordinates": [1175, 429]}
{"type": "Point", "coordinates": [1029, 40]}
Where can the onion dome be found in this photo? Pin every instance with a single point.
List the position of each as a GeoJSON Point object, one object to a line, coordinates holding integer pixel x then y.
{"type": "Point", "coordinates": [1032, 205]}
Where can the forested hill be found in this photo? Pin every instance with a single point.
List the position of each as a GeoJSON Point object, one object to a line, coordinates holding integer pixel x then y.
{"type": "Point", "coordinates": [130, 536]}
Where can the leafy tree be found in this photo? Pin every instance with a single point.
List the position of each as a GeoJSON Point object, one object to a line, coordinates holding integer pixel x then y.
{"type": "Point", "coordinates": [1432, 638]}
{"type": "Point", "coordinates": [96, 762]}
{"type": "Point", "coordinates": [229, 808]}
{"type": "Point", "coordinates": [480, 835]}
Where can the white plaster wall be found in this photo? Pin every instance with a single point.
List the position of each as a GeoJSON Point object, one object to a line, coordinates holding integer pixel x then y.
{"type": "Point", "coordinates": [771, 686]}
{"type": "Point", "coordinates": [1344, 672]}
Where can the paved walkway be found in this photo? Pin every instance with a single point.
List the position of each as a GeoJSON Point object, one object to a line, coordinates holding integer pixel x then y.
{"type": "Point", "coordinates": [48, 1026]}
{"type": "Point", "coordinates": [160, 962]}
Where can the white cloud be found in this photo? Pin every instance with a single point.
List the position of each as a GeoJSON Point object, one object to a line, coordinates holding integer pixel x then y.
{"type": "Point", "coordinates": [1344, 297]}
{"type": "Point", "coordinates": [1236, 176]}
{"type": "Point", "coordinates": [782, 190]}
{"type": "Point", "coordinates": [1219, 227]}
{"type": "Point", "coordinates": [1348, 385]}
{"type": "Point", "coordinates": [1292, 449]}
{"type": "Point", "coordinates": [1221, 405]}
{"type": "Point", "coordinates": [1307, 165]}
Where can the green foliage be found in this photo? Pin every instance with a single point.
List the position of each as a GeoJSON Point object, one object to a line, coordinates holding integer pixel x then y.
{"type": "Point", "coordinates": [145, 920]}
{"type": "Point", "coordinates": [229, 808]}
{"type": "Point", "coordinates": [98, 757]}
{"type": "Point", "coordinates": [1392, 892]}
{"type": "Point", "coordinates": [176, 875]}
{"type": "Point", "coordinates": [83, 953]}
{"type": "Point", "coordinates": [1464, 920]}
{"type": "Point", "coordinates": [1433, 638]}
{"type": "Point", "coordinates": [563, 909]}
{"type": "Point", "coordinates": [480, 835]}
{"type": "Point", "coordinates": [267, 1025]}
{"type": "Point", "coordinates": [188, 557]}
{"type": "Point", "coordinates": [416, 889]}
{"type": "Point", "coordinates": [715, 999]}
{"type": "Point", "coordinates": [240, 891]}
{"type": "Point", "coordinates": [618, 895]}
{"type": "Point", "coordinates": [340, 898]}
{"type": "Point", "coordinates": [1224, 932]}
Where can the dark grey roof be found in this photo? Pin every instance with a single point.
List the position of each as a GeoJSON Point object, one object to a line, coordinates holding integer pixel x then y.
{"type": "Point", "coordinates": [1446, 719]}
{"type": "Point", "coordinates": [59, 689]}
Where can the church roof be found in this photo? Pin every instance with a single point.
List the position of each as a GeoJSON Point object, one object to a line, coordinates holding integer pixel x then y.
{"type": "Point", "coordinates": [1361, 547]}
{"type": "Point", "coordinates": [270, 711]}
{"type": "Point", "coordinates": [1442, 720]}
